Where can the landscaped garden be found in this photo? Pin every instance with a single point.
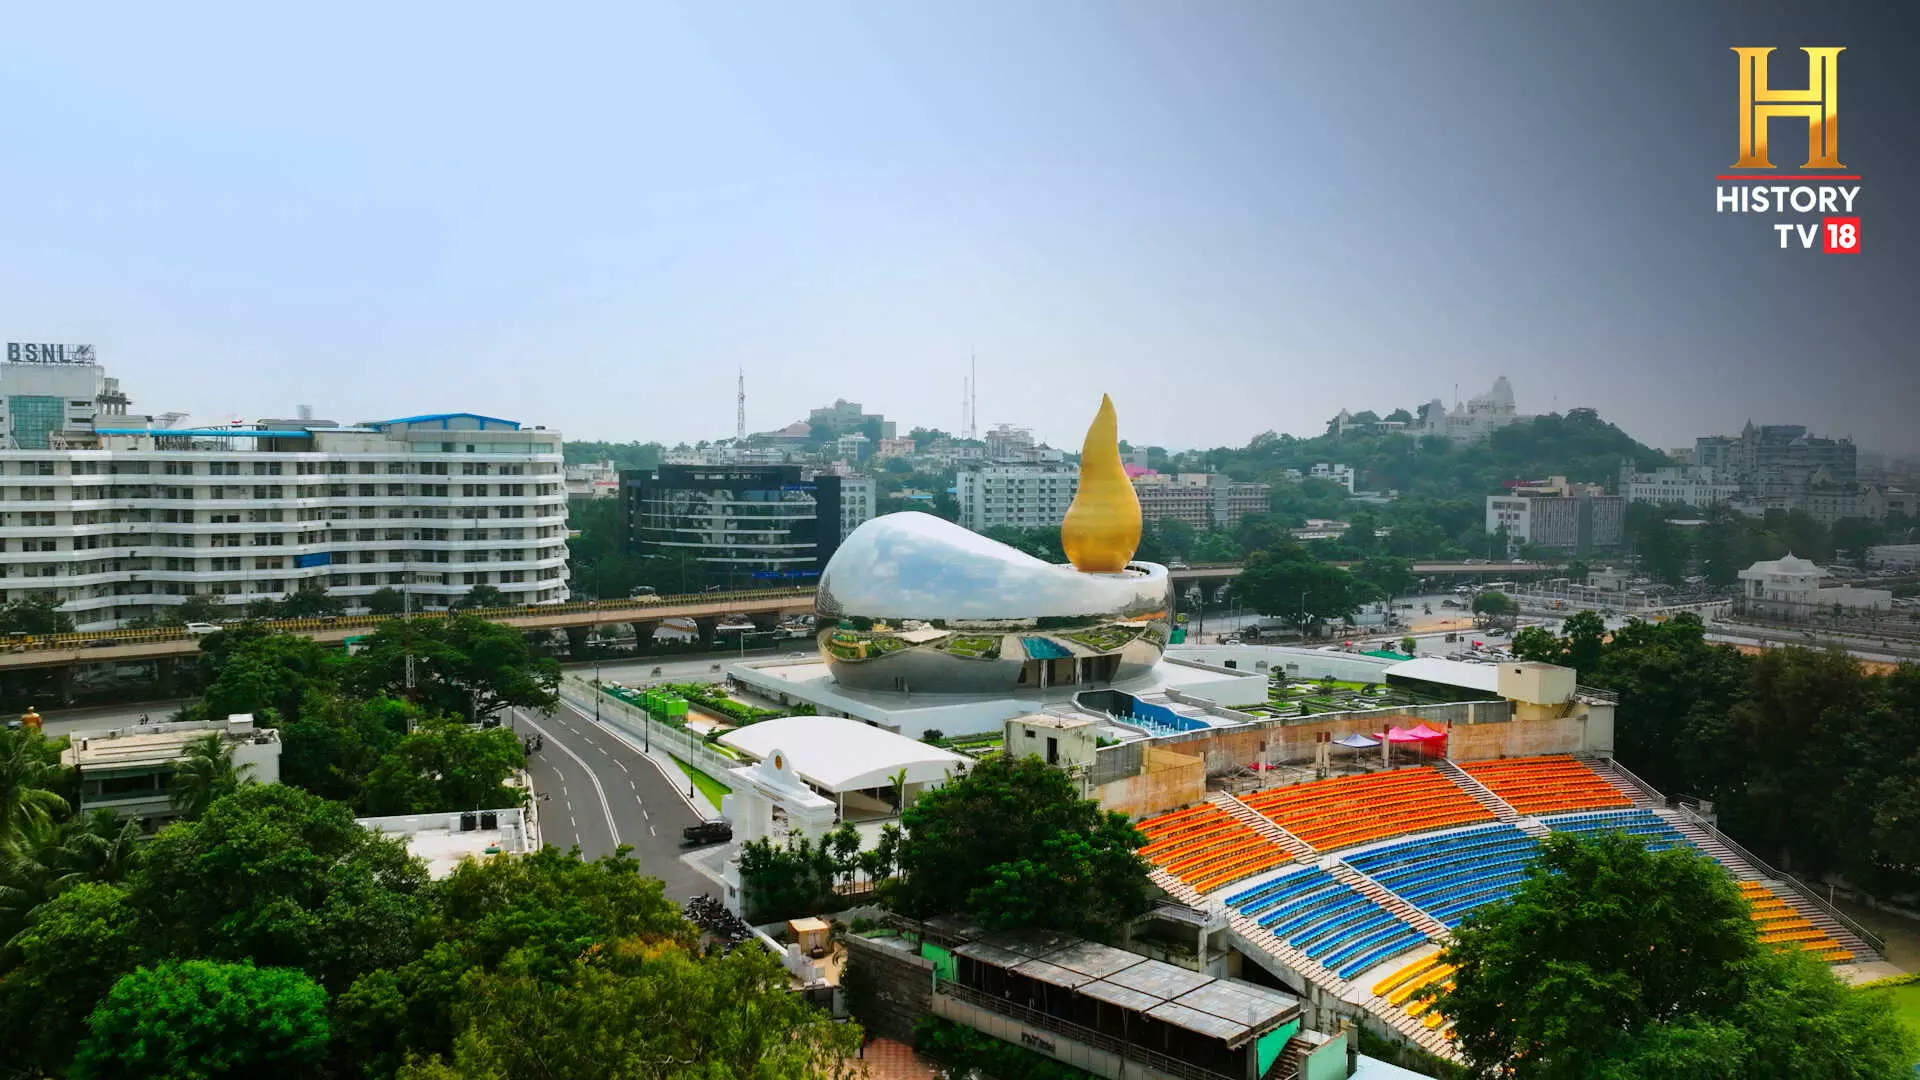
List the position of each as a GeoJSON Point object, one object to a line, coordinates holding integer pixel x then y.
{"type": "Point", "coordinates": [975, 646]}
{"type": "Point", "coordinates": [1335, 695]}
{"type": "Point", "coordinates": [1104, 638]}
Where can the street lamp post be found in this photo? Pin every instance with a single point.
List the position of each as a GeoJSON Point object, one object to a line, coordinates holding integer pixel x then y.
{"type": "Point", "coordinates": [597, 692]}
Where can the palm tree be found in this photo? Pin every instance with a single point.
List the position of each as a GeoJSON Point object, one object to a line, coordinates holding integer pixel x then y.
{"type": "Point", "coordinates": [103, 849]}
{"type": "Point", "coordinates": [204, 774]}
{"type": "Point", "coordinates": [25, 803]}
{"type": "Point", "coordinates": [28, 875]}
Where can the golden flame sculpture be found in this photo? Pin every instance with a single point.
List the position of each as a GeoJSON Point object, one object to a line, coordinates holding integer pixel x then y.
{"type": "Point", "coordinates": [1102, 527]}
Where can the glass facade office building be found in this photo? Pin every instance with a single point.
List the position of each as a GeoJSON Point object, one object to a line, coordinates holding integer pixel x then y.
{"type": "Point", "coordinates": [745, 525]}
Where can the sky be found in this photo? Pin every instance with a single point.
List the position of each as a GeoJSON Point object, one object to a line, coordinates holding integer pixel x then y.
{"type": "Point", "coordinates": [1233, 217]}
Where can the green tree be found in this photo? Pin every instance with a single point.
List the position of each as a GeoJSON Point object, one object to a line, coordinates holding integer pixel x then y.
{"type": "Point", "coordinates": [71, 952]}
{"type": "Point", "coordinates": [310, 600]}
{"type": "Point", "coordinates": [1612, 961]}
{"type": "Point", "coordinates": [1291, 584]}
{"type": "Point", "coordinates": [636, 1011]}
{"type": "Point", "coordinates": [28, 766]}
{"type": "Point", "coordinates": [445, 765]}
{"type": "Point", "coordinates": [1494, 606]}
{"type": "Point", "coordinates": [463, 666]}
{"type": "Point", "coordinates": [386, 600]}
{"type": "Point", "coordinates": [336, 742]}
{"type": "Point", "coordinates": [1011, 843]}
{"type": "Point", "coordinates": [193, 1019]}
{"type": "Point", "coordinates": [205, 772]}
{"type": "Point", "coordinates": [273, 874]}
{"type": "Point", "coordinates": [545, 910]}
{"type": "Point", "coordinates": [1388, 576]}
{"type": "Point", "coordinates": [266, 675]}
{"type": "Point", "coordinates": [197, 608]}
{"type": "Point", "coordinates": [787, 880]}
{"type": "Point", "coordinates": [36, 617]}
{"type": "Point", "coordinates": [480, 597]}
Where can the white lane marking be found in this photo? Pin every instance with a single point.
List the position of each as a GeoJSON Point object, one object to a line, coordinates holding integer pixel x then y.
{"type": "Point", "coordinates": [667, 771]}
{"type": "Point", "coordinates": [652, 831]}
{"type": "Point", "coordinates": [605, 806]}
{"type": "Point", "coordinates": [622, 764]}
{"type": "Point", "coordinates": [575, 824]}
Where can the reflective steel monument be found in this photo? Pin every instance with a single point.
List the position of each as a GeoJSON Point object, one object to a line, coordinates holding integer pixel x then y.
{"type": "Point", "coordinates": [911, 602]}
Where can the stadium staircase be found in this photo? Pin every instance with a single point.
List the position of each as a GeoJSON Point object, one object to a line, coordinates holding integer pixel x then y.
{"type": "Point", "coordinates": [1625, 782]}
{"type": "Point", "coordinates": [1862, 951]}
{"type": "Point", "coordinates": [1704, 840]}
{"type": "Point", "coordinates": [1386, 898]}
{"type": "Point", "coordinates": [1265, 826]}
{"type": "Point", "coordinates": [1498, 807]}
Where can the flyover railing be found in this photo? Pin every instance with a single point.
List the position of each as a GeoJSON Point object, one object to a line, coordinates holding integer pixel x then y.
{"type": "Point", "coordinates": [637, 606]}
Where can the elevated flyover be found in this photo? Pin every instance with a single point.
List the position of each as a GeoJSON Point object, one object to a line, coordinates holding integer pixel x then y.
{"type": "Point", "coordinates": [104, 646]}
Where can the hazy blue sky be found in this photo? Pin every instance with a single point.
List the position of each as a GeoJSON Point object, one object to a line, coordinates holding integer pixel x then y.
{"type": "Point", "coordinates": [1233, 217]}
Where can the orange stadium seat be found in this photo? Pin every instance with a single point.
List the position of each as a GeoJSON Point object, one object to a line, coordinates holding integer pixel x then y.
{"type": "Point", "coordinates": [1329, 814]}
{"type": "Point", "coordinates": [1206, 847]}
{"type": "Point", "coordinates": [1547, 785]}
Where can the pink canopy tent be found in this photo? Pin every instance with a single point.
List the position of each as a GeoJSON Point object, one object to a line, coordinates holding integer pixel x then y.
{"type": "Point", "coordinates": [1414, 735]}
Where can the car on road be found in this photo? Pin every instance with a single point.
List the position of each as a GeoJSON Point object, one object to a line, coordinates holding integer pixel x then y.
{"type": "Point", "coordinates": [707, 832]}
{"type": "Point", "coordinates": [198, 628]}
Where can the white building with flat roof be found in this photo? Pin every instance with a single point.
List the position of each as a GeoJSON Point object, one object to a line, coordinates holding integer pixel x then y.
{"type": "Point", "coordinates": [128, 522]}
{"type": "Point", "coordinates": [443, 841]}
{"type": "Point", "coordinates": [1024, 495]}
{"type": "Point", "coordinates": [129, 770]}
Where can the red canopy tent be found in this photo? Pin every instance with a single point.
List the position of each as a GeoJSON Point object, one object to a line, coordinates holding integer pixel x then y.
{"type": "Point", "coordinates": [1424, 739]}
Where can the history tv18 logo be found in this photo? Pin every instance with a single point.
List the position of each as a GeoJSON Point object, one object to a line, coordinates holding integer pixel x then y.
{"type": "Point", "coordinates": [1818, 202]}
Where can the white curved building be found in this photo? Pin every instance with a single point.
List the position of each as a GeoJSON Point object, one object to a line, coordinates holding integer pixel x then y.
{"type": "Point", "coordinates": [114, 524]}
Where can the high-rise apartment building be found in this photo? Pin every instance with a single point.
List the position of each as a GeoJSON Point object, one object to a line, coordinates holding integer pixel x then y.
{"type": "Point", "coordinates": [1202, 500]}
{"type": "Point", "coordinates": [856, 502]}
{"type": "Point", "coordinates": [1024, 495]}
{"type": "Point", "coordinates": [741, 523]}
{"type": "Point", "coordinates": [122, 523]}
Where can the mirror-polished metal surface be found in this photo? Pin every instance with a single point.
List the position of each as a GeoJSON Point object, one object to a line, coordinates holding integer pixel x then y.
{"type": "Point", "coordinates": [912, 602]}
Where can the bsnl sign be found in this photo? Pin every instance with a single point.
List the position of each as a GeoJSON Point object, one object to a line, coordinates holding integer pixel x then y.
{"type": "Point", "coordinates": [30, 353]}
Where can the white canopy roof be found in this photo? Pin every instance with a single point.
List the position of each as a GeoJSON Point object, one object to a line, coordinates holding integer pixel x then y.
{"type": "Point", "coordinates": [836, 754]}
{"type": "Point", "coordinates": [1433, 669]}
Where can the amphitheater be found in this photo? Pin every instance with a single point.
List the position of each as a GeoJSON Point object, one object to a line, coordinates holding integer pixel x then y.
{"type": "Point", "coordinates": [1346, 888]}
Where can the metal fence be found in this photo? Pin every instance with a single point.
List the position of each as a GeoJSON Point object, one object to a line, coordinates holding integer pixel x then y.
{"type": "Point", "coordinates": [1806, 891]}
{"type": "Point", "coordinates": [678, 741]}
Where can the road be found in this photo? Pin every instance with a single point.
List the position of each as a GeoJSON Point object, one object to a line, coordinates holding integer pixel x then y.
{"type": "Point", "coordinates": [597, 790]}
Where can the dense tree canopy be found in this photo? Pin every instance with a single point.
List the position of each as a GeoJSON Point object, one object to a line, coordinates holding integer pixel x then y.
{"type": "Point", "coordinates": [195, 1020]}
{"type": "Point", "coordinates": [1613, 961]}
{"type": "Point", "coordinates": [1012, 843]}
{"type": "Point", "coordinates": [285, 879]}
{"type": "Point", "coordinates": [1286, 581]}
{"type": "Point", "coordinates": [464, 666]}
{"type": "Point", "coordinates": [1811, 760]}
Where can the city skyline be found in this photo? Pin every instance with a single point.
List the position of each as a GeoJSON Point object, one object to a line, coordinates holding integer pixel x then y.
{"type": "Point", "coordinates": [1232, 224]}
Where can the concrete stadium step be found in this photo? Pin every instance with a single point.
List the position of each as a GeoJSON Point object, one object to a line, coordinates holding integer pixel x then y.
{"type": "Point", "coordinates": [1704, 840]}
{"type": "Point", "coordinates": [1498, 807]}
{"type": "Point", "coordinates": [1386, 898]}
{"type": "Point", "coordinates": [1862, 952]}
{"type": "Point", "coordinates": [1642, 797]}
{"type": "Point", "coordinates": [1253, 819]}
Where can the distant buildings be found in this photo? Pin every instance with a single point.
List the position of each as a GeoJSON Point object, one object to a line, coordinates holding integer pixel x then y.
{"type": "Point", "coordinates": [845, 416]}
{"type": "Point", "coordinates": [1790, 587]}
{"type": "Point", "coordinates": [742, 523]}
{"type": "Point", "coordinates": [1339, 474]}
{"type": "Point", "coordinates": [1202, 500]}
{"type": "Point", "coordinates": [1473, 422]}
{"type": "Point", "coordinates": [856, 502]}
{"type": "Point", "coordinates": [592, 480]}
{"type": "Point", "coordinates": [1555, 513]}
{"type": "Point", "coordinates": [1025, 495]}
{"type": "Point", "coordinates": [1697, 486]}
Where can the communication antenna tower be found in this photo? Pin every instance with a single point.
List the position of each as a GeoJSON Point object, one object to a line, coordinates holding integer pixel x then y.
{"type": "Point", "coordinates": [740, 409]}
